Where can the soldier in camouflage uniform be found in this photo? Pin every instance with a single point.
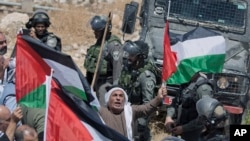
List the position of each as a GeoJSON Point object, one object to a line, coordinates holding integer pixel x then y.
{"type": "Point", "coordinates": [111, 59]}
{"type": "Point", "coordinates": [38, 25]}
{"type": "Point", "coordinates": [138, 80]}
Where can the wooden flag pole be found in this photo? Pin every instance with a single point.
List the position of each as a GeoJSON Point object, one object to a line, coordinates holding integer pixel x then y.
{"type": "Point", "coordinates": [101, 49]}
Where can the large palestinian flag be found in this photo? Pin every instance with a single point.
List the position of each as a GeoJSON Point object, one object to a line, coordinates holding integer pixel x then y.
{"type": "Point", "coordinates": [197, 50]}
{"type": "Point", "coordinates": [69, 115]}
{"type": "Point", "coordinates": [32, 80]}
{"type": "Point", "coordinates": [64, 70]}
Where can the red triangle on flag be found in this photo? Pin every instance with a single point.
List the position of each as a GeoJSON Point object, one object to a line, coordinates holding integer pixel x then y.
{"type": "Point", "coordinates": [169, 57]}
{"type": "Point", "coordinates": [62, 123]}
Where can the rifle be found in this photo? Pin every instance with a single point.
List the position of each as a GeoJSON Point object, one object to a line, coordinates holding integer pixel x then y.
{"type": "Point", "coordinates": [101, 49]}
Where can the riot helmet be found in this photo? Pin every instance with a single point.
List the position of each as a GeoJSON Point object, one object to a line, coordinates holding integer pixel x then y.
{"type": "Point", "coordinates": [98, 23]}
{"type": "Point", "coordinates": [137, 48]}
{"type": "Point", "coordinates": [39, 16]}
{"type": "Point", "coordinates": [211, 110]}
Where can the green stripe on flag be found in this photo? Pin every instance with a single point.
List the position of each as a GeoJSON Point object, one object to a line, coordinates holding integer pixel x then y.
{"type": "Point", "coordinates": [36, 98]}
{"type": "Point", "coordinates": [188, 67]}
{"type": "Point", "coordinates": [77, 92]}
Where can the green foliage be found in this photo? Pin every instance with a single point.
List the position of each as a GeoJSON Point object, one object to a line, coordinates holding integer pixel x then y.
{"type": "Point", "coordinates": [247, 117]}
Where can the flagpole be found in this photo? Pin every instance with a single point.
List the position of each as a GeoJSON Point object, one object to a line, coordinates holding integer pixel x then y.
{"type": "Point", "coordinates": [169, 5]}
{"type": "Point", "coordinates": [101, 49]}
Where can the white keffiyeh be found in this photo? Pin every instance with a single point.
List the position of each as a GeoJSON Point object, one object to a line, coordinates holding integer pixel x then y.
{"type": "Point", "coordinates": [127, 110]}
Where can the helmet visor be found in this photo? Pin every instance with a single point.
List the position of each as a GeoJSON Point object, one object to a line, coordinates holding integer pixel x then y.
{"type": "Point", "coordinates": [131, 49]}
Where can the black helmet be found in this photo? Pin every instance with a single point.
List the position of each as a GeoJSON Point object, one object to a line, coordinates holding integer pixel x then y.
{"type": "Point", "coordinates": [39, 16]}
{"type": "Point", "coordinates": [98, 23]}
{"type": "Point", "coordinates": [136, 48]}
{"type": "Point", "coordinates": [211, 109]}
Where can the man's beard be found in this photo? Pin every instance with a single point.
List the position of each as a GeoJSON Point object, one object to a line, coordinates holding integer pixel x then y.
{"type": "Point", "coordinates": [3, 50]}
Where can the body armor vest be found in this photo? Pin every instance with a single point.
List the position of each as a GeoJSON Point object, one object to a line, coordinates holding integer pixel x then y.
{"type": "Point", "coordinates": [129, 81]}
{"type": "Point", "coordinates": [91, 59]}
{"type": "Point", "coordinates": [51, 40]}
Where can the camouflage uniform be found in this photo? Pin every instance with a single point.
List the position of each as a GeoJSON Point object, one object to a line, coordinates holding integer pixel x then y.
{"type": "Point", "coordinates": [110, 63]}
{"type": "Point", "coordinates": [139, 84]}
{"type": "Point", "coordinates": [111, 57]}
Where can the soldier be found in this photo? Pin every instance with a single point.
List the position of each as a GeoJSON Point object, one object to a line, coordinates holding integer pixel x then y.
{"type": "Point", "coordinates": [186, 123]}
{"type": "Point", "coordinates": [214, 118]}
{"type": "Point", "coordinates": [38, 25]}
{"type": "Point", "coordinates": [138, 80]}
{"type": "Point", "coordinates": [7, 65]}
{"type": "Point", "coordinates": [111, 60]}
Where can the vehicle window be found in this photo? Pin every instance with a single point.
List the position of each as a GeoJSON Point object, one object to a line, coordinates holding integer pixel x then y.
{"type": "Point", "coordinates": [230, 16]}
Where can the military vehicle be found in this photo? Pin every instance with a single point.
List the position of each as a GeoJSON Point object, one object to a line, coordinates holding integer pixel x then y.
{"type": "Point", "coordinates": [226, 17]}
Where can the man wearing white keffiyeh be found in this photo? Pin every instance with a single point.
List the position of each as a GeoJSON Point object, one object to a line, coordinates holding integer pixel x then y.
{"type": "Point", "coordinates": [120, 115]}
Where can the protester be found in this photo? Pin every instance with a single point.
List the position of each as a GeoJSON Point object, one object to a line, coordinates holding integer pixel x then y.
{"type": "Point", "coordinates": [3, 50]}
{"type": "Point", "coordinates": [38, 25]}
{"type": "Point", "coordinates": [6, 64]}
{"type": "Point", "coordinates": [111, 60]}
{"type": "Point", "coordinates": [35, 118]}
{"type": "Point", "coordinates": [26, 133]}
{"type": "Point", "coordinates": [7, 71]}
{"type": "Point", "coordinates": [8, 122]}
{"type": "Point", "coordinates": [120, 115]}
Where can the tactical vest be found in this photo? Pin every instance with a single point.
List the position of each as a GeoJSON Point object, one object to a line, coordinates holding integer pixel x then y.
{"type": "Point", "coordinates": [129, 81]}
{"type": "Point", "coordinates": [51, 40]}
{"type": "Point", "coordinates": [190, 97]}
{"type": "Point", "coordinates": [91, 59]}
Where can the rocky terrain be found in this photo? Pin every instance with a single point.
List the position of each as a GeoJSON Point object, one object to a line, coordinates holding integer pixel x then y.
{"type": "Point", "coordinates": [71, 24]}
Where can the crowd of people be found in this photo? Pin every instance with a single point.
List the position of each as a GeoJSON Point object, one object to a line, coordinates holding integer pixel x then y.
{"type": "Point", "coordinates": [125, 85]}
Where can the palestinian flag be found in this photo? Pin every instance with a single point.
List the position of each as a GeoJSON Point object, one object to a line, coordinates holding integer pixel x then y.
{"type": "Point", "coordinates": [69, 116]}
{"type": "Point", "coordinates": [198, 50]}
{"type": "Point", "coordinates": [64, 70]}
{"type": "Point", "coordinates": [33, 76]}
{"type": "Point", "coordinates": [169, 57]}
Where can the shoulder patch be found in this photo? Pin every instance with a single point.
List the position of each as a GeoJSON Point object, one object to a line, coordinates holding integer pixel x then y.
{"type": "Point", "coordinates": [52, 41]}
{"type": "Point", "coordinates": [115, 55]}
{"type": "Point", "coordinates": [150, 85]}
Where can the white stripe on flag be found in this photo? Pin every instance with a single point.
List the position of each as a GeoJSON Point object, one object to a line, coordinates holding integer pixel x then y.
{"type": "Point", "coordinates": [94, 133]}
{"type": "Point", "coordinates": [48, 91]}
{"type": "Point", "coordinates": [66, 80]}
{"type": "Point", "coordinates": [199, 47]}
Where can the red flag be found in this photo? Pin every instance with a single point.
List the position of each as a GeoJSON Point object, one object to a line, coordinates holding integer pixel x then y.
{"type": "Point", "coordinates": [62, 123]}
{"type": "Point", "coordinates": [169, 57]}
